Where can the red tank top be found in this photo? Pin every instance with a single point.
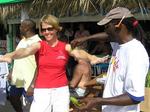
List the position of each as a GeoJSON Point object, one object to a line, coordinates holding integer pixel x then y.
{"type": "Point", "coordinates": [51, 66]}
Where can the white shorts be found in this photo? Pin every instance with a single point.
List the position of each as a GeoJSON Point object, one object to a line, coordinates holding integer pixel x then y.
{"type": "Point", "coordinates": [51, 100]}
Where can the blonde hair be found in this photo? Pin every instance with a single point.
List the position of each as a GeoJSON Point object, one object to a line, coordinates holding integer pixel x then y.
{"type": "Point", "coordinates": [51, 20]}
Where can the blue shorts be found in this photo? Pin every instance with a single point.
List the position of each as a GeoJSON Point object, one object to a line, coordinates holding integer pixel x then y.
{"type": "Point", "coordinates": [14, 91]}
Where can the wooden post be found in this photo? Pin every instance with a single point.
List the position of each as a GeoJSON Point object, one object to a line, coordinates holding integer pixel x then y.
{"type": "Point", "coordinates": [10, 38]}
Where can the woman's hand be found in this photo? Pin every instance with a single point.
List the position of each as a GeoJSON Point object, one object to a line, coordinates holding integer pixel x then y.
{"type": "Point", "coordinates": [6, 58]}
{"type": "Point", "coordinates": [96, 60]}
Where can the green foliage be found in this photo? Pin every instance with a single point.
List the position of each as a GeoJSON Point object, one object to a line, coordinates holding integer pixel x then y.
{"type": "Point", "coordinates": [147, 84]}
{"type": "Point", "coordinates": [75, 101]}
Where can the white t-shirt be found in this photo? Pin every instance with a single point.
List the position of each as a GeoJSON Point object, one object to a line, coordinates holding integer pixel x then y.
{"type": "Point", "coordinates": [3, 68]}
{"type": "Point", "coordinates": [3, 77]}
{"type": "Point", "coordinates": [126, 73]}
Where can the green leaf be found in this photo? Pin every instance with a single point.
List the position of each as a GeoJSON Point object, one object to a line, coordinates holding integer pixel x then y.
{"type": "Point", "coordinates": [147, 84]}
{"type": "Point", "coordinates": [75, 101]}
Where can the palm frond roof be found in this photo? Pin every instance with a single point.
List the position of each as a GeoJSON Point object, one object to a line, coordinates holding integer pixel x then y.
{"type": "Point", "coordinates": [72, 8]}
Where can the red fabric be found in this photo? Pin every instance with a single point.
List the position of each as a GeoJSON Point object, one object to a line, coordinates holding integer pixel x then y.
{"type": "Point", "coordinates": [51, 66]}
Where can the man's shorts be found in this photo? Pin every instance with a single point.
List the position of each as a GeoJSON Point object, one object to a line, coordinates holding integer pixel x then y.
{"type": "Point", "coordinates": [14, 91]}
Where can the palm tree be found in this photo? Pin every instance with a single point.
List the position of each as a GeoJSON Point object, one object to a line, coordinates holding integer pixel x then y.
{"type": "Point", "coordinates": [71, 8]}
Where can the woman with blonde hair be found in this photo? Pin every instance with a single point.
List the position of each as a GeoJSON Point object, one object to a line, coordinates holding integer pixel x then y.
{"type": "Point", "coordinates": [51, 92]}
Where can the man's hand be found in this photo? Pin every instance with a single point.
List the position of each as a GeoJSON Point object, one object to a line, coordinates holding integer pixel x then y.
{"type": "Point", "coordinates": [78, 41]}
{"type": "Point", "coordinates": [95, 37]}
{"type": "Point", "coordinates": [9, 77]}
{"type": "Point", "coordinates": [30, 91]}
{"type": "Point", "coordinates": [87, 104]}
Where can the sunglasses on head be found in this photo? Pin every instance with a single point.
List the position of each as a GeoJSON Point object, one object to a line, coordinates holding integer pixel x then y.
{"type": "Point", "coordinates": [48, 29]}
{"type": "Point", "coordinates": [118, 25]}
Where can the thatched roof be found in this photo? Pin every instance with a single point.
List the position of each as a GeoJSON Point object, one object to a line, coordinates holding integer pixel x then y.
{"type": "Point", "coordinates": [73, 10]}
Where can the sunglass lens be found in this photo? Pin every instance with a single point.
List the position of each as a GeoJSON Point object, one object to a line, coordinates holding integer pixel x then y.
{"type": "Point", "coordinates": [48, 29]}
